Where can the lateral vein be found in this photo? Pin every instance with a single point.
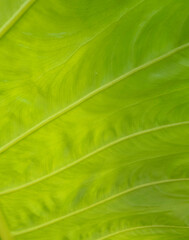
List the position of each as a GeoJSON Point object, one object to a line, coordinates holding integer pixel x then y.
{"type": "Point", "coordinates": [71, 106]}
{"type": "Point", "coordinates": [97, 204]}
{"type": "Point", "coordinates": [141, 228]}
{"type": "Point", "coordinates": [117, 141]}
{"type": "Point", "coordinates": [88, 96]}
{"type": "Point", "coordinates": [15, 17]}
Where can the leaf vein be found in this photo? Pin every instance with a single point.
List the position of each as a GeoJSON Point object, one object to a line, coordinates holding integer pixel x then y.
{"type": "Point", "coordinates": [145, 185]}
{"type": "Point", "coordinates": [87, 97]}
{"type": "Point", "coordinates": [15, 17]}
{"type": "Point", "coordinates": [140, 228]}
{"type": "Point", "coordinates": [117, 141]}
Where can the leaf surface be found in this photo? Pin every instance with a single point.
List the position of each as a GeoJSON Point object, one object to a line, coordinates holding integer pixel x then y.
{"type": "Point", "coordinates": [94, 103]}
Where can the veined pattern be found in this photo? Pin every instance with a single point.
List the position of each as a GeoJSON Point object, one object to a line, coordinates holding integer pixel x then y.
{"type": "Point", "coordinates": [94, 103]}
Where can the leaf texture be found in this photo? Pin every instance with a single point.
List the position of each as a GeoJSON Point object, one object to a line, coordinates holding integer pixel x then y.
{"type": "Point", "coordinates": [94, 103]}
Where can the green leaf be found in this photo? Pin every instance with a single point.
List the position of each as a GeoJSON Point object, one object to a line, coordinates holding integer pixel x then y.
{"type": "Point", "coordinates": [94, 103]}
